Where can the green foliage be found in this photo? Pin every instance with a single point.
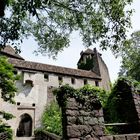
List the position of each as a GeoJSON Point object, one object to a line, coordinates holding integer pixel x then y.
{"type": "Point", "coordinates": [120, 107]}
{"type": "Point", "coordinates": [4, 128]}
{"type": "Point", "coordinates": [51, 119]}
{"type": "Point", "coordinates": [86, 66]}
{"type": "Point", "coordinates": [8, 89]}
{"type": "Point", "coordinates": [83, 94]}
{"type": "Point", "coordinates": [130, 57]}
{"type": "Point", "coordinates": [52, 22]}
{"type": "Point", "coordinates": [7, 80]}
{"type": "Point", "coordinates": [6, 116]}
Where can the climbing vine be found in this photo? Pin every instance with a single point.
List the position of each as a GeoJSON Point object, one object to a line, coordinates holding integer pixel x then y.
{"type": "Point", "coordinates": [94, 95]}
{"type": "Point", "coordinates": [86, 66]}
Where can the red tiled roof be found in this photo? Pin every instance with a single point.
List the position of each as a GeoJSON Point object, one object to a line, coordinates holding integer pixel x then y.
{"type": "Point", "coordinates": [21, 64]}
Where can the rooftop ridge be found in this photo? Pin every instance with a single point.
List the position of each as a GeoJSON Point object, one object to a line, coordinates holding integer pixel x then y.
{"type": "Point", "coordinates": [37, 66]}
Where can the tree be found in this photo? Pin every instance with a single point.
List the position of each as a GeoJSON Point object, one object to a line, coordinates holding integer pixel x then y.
{"type": "Point", "coordinates": [52, 22]}
{"type": "Point", "coordinates": [7, 80]}
{"type": "Point", "coordinates": [131, 57]}
{"type": "Point", "coordinates": [7, 86]}
{"type": "Point", "coordinates": [7, 91]}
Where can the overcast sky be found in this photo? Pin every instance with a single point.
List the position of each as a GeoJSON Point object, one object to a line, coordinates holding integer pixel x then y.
{"type": "Point", "coordinates": [70, 56]}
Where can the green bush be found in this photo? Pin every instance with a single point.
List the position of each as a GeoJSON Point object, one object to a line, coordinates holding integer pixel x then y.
{"type": "Point", "coordinates": [8, 130]}
{"type": "Point", "coordinates": [51, 119]}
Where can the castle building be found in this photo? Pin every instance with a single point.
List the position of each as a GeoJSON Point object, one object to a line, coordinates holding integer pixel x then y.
{"type": "Point", "coordinates": [37, 81]}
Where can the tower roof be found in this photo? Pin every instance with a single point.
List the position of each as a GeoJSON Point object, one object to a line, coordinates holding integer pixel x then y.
{"type": "Point", "coordinates": [10, 52]}
{"type": "Point", "coordinates": [87, 51]}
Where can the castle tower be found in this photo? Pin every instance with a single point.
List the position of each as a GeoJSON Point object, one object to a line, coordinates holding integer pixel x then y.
{"type": "Point", "coordinates": [91, 60]}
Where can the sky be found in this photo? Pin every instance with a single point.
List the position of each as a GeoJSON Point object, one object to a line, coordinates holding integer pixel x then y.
{"type": "Point", "coordinates": [70, 56]}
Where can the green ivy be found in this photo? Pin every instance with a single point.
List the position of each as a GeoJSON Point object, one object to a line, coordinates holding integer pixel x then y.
{"type": "Point", "coordinates": [81, 95]}
{"type": "Point", "coordinates": [86, 66]}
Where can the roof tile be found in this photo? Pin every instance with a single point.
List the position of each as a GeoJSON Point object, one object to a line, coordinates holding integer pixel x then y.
{"type": "Point", "coordinates": [53, 69]}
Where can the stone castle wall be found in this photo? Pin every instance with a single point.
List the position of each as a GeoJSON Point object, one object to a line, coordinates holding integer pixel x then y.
{"type": "Point", "coordinates": [82, 123]}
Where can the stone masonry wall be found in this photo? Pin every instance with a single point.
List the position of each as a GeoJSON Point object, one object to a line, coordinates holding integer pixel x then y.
{"type": "Point", "coordinates": [86, 122]}
{"type": "Point", "coordinates": [80, 123]}
{"type": "Point", "coordinates": [136, 98]}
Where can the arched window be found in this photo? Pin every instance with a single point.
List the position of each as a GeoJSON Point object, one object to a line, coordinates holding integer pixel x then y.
{"type": "Point", "coordinates": [25, 126]}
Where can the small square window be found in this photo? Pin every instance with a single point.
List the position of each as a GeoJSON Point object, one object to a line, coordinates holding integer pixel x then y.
{"type": "Point", "coordinates": [15, 72]}
{"type": "Point", "coordinates": [96, 83]}
{"type": "Point", "coordinates": [33, 104]}
{"type": "Point", "coordinates": [60, 78]}
{"type": "Point", "coordinates": [85, 82]}
{"type": "Point", "coordinates": [46, 77]}
{"type": "Point", "coordinates": [73, 80]}
{"type": "Point", "coordinates": [18, 103]}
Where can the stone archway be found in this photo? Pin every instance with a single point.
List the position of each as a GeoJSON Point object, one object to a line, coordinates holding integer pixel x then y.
{"type": "Point", "coordinates": [25, 126]}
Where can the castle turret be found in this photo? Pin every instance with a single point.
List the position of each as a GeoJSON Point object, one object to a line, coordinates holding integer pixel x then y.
{"type": "Point", "coordinates": [91, 60]}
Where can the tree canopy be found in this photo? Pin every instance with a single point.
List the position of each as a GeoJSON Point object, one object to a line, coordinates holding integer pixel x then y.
{"type": "Point", "coordinates": [131, 57]}
{"type": "Point", "coordinates": [52, 22]}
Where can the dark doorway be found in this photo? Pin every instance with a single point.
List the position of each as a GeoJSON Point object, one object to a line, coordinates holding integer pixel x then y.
{"type": "Point", "coordinates": [25, 126]}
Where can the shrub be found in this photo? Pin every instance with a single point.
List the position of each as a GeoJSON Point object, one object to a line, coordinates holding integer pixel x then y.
{"type": "Point", "coordinates": [51, 119]}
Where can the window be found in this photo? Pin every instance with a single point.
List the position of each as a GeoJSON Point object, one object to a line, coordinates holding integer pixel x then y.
{"type": "Point", "coordinates": [96, 83]}
{"type": "Point", "coordinates": [18, 103]}
{"type": "Point", "coordinates": [85, 82]}
{"type": "Point", "coordinates": [73, 80]}
{"type": "Point", "coordinates": [29, 82]}
{"type": "Point", "coordinates": [60, 78]}
{"type": "Point", "coordinates": [15, 72]}
{"type": "Point", "coordinates": [33, 104]}
{"type": "Point", "coordinates": [46, 77]}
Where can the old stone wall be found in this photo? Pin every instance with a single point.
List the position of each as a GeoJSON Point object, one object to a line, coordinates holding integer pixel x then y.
{"type": "Point", "coordinates": [80, 122]}
{"type": "Point", "coordinates": [122, 137]}
{"type": "Point", "coordinates": [85, 121]}
{"type": "Point", "coordinates": [136, 98]}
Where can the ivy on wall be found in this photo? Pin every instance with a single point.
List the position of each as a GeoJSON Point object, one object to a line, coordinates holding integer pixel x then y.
{"type": "Point", "coordinates": [86, 66]}
{"type": "Point", "coordinates": [94, 96]}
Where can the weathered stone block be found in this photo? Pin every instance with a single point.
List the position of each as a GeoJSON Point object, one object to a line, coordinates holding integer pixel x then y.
{"type": "Point", "coordinates": [101, 120]}
{"type": "Point", "coordinates": [72, 104]}
{"type": "Point", "coordinates": [119, 137]}
{"type": "Point", "coordinates": [90, 120]}
{"type": "Point", "coordinates": [98, 130]}
{"type": "Point", "coordinates": [84, 113]}
{"type": "Point", "coordinates": [80, 120]}
{"type": "Point", "coordinates": [76, 131]}
{"type": "Point", "coordinates": [71, 120]}
{"type": "Point", "coordinates": [97, 113]}
{"type": "Point", "coordinates": [72, 112]}
{"type": "Point", "coordinates": [132, 137]}
{"type": "Point", "coordinates": [106, 138]}
{"type": "Point", "coordinates": [88, 137]}
{"type": "Point", "coordinates": [74, 139]}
